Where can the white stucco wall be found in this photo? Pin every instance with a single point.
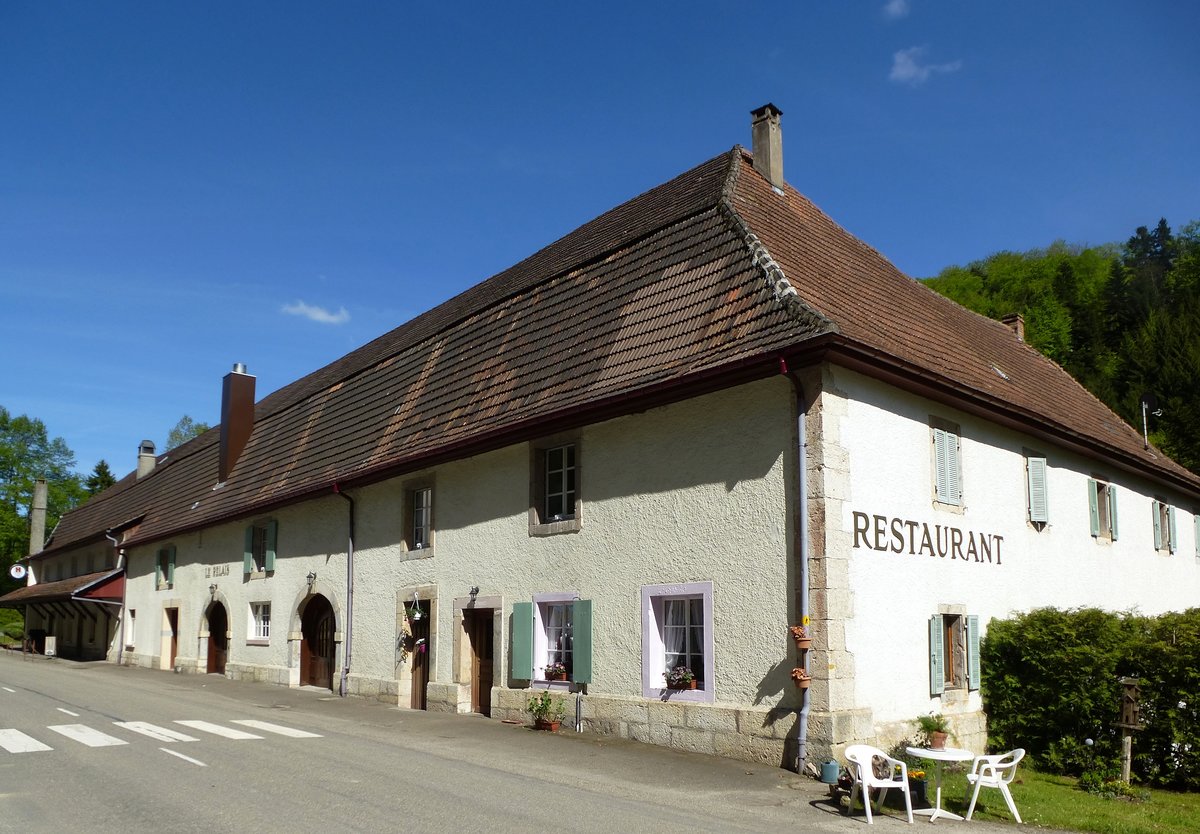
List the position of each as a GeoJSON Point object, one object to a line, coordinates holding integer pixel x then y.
{"type": "Point", "coordinates": [693, 492]}
{"type": "Point", "coordinates": [885, 436]}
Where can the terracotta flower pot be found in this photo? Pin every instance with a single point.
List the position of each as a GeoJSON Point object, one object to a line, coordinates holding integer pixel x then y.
{"type": "Point", "coordinates": [937, 741]}
{"type": "Point", "coordinates": [803, 644]}
{"type": "Point", "coordinates": [561, 676]}
{"type": "Point", "coordinates": [802, 683]}
{"type": "Point", "coordinates": [689, 685]}
{"type": "Point", "coordinates": [550, 724]}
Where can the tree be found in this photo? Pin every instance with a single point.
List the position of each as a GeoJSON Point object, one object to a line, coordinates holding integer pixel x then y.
{"type": "Point", "coordinates": [184, 430]}
{"type": "Point", "coordinates": [100, 479]}
{"type": "Point", "coordinates": [27, 453]}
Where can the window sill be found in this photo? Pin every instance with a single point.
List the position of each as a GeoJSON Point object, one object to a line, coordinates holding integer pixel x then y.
{"type": "Point", "coordinates": [164, 586]}
{"type": "Point", "coordinates": [419, 552]}
{"type": "Point", "coordinates": [553, 528]}
{"type": "Point", "coordinates": [259, 574]}
{"type": "Point", "coordinates": [695, 696]}
{"type": "Point", "coordinates": [257, 642]}
{"type": "Point", "coordinates": [553, 686]}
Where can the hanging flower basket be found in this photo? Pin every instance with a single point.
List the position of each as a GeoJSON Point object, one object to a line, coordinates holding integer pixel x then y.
{"type": "Point", "coordinates": [801, 678]}
{"type": "Point", "coordinates": [801, 638]}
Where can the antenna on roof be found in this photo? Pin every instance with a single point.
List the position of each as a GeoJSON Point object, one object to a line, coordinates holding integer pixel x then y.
{"type": "Point", "coordinates": [1149, 406]}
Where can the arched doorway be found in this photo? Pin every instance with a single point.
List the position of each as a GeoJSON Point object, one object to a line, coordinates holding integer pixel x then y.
{"type": "Point", "coordinates": [316, 651]}
{"type": "Point", "coordinates": [218, 638]}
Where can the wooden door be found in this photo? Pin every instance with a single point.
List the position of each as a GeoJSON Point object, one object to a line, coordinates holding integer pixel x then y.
{"type": "Point", "coordinates": [420, 656]}
{"type": "Point", "coordinates": [173, 625]}
{"type": "Point", "coordinates": [317, 647]}
{"type": "Point", "coordinates": [480, 635]}
{"type": "Point", "coordinates": [218, 638]}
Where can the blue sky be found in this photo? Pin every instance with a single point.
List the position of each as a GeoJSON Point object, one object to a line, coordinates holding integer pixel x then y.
{"type": "Point", "coordinates": [188, 185]}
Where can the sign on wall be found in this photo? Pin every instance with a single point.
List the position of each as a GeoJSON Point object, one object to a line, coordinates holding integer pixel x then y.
{"type": "Point", "coordinates": [917, 538]}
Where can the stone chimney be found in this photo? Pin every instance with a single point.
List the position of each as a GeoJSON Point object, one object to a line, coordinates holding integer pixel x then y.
{"type": "Point", "coordinates": [37, 517]}
{"type": "Point", "coordinates": [767, 139]}
{"type": "Point", "coordinates": [1016, 323]}
{"type": "Point", "coordinates": [237, 418]}
{"type": "Point", "coordinates": [146, 458]}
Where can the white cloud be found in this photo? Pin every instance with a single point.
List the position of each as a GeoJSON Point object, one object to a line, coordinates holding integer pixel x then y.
{"type": "Point", "coordinates": [908, 69]}
{"type": "Point", "coordinates": [895, 9]}
{"type": "Point", "coordinates": [317, 314]}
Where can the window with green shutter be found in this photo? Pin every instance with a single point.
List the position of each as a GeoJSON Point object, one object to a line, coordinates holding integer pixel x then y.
{"type": "Point", "coordinates": [1163, 518]}
{"type": "Point", "coordinates": [953, 652]}
{"type": "Point", "coordinates": [1102, 509]}
{"type": "Point", "coordinates": [260, 543]}
{"type": "Point", "coordinates": [1039, 501]}
{"type": "Point", "coordinates": [947, 465]}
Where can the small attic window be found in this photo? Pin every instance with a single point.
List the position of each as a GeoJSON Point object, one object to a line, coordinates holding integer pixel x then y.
{"type": "Point", "coordinates": [1000, 373]}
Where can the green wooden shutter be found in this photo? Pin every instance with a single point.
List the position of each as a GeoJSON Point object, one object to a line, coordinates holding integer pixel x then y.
{"type": "Point", "coordinates": [941, 480]}
{"type": "Point", "coordinates": [1112, 510]}
{"type": "Point", "coordinates": [1156, 511]}
{"type": "Point", "coordinates": [955, 472]}
{"type": "Point", "coordinates": [973, 670]}
{"type": "Point", "coordinates": [248, 551]}
{"type": "Point", "coordinates": [937, 671]}
{"type": "Point", "coordinates": [171, 565]}
{"type": "Point", "coordinates": [521, 655]}
{"type": "Point", "coordinates": [1093, 507]}
{"type": "Point", "coordinates": [1038, 500]}
{"type": "Point", "coordinates": [158, 575]}
{"type": "Point", "coordinates": [1173, 538]}
{"type": "Point", "coordinates": [581, 641]}
{"type": "Point", "coordinates": [272, 540]}
{"type": "Point", "coordinates": [1196, 536]}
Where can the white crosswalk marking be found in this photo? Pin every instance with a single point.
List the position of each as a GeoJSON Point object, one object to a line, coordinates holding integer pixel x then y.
{"type": "Point", "coordinates": [86, 735]}
{"type": "Point", "coordinates": [276, 728]}
{"type": "Point", "coordinates": [154, 731]}
{"type": "Point", "coordinates": [196, 762]}
{"type": "Point", "coordinates": [15, 741]}
{"type": "Point", "coordinates": [217, 729]}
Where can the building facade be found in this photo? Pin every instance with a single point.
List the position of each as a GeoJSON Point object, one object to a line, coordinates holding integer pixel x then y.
{"type": "Point", "coordinates": [704, 417]}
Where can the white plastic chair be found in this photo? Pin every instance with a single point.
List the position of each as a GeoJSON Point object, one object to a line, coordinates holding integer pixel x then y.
{"type": "Point", "coordinates": [861, 758]}
{"type": "Point", "coordinates": [994, 772]}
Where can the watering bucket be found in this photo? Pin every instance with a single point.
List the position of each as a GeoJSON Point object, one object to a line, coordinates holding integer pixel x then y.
{"type": "Point", "coordinates": [829, 772]}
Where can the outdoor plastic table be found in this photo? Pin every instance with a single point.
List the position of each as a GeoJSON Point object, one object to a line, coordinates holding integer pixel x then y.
{"type": "Point", "coordinates": [948, 754]}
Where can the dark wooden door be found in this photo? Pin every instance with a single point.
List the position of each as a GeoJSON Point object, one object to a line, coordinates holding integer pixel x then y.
{"type": "Point", "coordinates": [218, 638]}
{"type": "Point", "coordinates": [420, 655]}
{"type": "Point", "coordinates": [173, 624]}
{"type": "Point", "coordinates": [316, 654]}
{"type": "Point", "coordinates": [479, 631]}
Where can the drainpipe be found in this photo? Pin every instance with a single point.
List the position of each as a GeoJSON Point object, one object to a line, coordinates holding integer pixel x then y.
{"type": "Point", "coordinates": [124, 586]}
{"type": "Point", "coordinates": [803, 549]}
{"type": "Point", "coordinates": [349, 593]}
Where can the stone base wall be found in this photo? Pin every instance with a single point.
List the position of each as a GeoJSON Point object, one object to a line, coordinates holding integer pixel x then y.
{"type": "Point", "coordinates": [451, 697]}
{"type": "Point", "coordinates": [763, 736]}
{"type": "Point", "coordinates": [278, 675]}
{"type": "Point", "coordinates": [376, 689]}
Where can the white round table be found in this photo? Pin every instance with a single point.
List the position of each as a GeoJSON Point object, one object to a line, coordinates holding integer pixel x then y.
{"type": "Point", "coordinates": [946, 754]}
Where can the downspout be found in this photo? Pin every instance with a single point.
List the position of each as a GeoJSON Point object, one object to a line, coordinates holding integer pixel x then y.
{"type": "Point", "coordinates": [124, 587]}
{"type": "Point", "coordinates": [802, 549]}
{"type": "Point", "coordinates": [342, 687]}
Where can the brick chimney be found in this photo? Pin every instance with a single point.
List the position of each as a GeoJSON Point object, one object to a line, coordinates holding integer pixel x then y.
{"type": "Point", "coordinates": [1016, 323]}
{"type": "Point", "coordinates": [767, 143]}
{"type": "Point", "coordinates": [237, 418]}
{"type": "Point", "coordinates": [146, 458]}
{"type": "Point", "coordinates": [37, 517]}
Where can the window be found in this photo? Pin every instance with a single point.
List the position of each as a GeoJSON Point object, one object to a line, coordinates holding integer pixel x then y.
{"type": "Point", "coordinates": [953, 652]}
{"type": "Point", "coordinates": [1165, 536]}
{"type": "Point", "coordinates": [132, 628]}
{"type": "Point", "coordinates": [260, 622]}
{"type": "Point", "coordinates": [947, 464]}
{"type": "Point", "coordinates": [164, 568]}
{"type": "Point", "coordinates": [554, 628]}
{"type": "Point", "coordinates": [677, 631]}
{"type": "Point", "coordinates": [1102, 506]}
{"type": "Point", "coordinates": [418, 517]}
{"type": "Point", "coordinates": [554, 488]}
{"type": "Point", "coordinates": [1035, 482]}
{"type": "Point", "coordinates": [259, 551]}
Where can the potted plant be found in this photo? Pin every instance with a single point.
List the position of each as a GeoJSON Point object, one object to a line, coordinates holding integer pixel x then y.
{"type": "Point", "coordinates": [800, 635]}
{"type": "Point", "coordinates": [801, 678]}
{"type": "Point", "coordinates": [680, 677]}
{"type": "Point", "coordinates": [916, 787]}
{"type": "Point", "coordinates": [934, 729]}
{"type": "Point", "coordinates": [547, 711]}
{"type": "Point", "coordinates": [556, 671]}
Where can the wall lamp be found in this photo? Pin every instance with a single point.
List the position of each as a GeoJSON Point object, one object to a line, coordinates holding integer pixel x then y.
{"type": "Point", "coordinates": [212, 589]}
{"type": "Point", "coordinates": [474, 592]}
{"type": "Point", "coordinates": [312, 577]}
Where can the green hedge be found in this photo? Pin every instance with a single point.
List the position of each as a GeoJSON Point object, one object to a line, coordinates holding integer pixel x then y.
{"type": "Point", "coordinates": [1051, 679]}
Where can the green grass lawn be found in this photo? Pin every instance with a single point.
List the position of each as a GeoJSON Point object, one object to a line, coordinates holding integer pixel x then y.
{"type": "Point", "coordinates": [1057, 802]}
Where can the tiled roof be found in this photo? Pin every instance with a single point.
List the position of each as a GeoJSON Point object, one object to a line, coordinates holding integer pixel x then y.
{"type": "Point", "coordinates": [60, 590]}
{"type": "Point", "coordinates": [660, 297]}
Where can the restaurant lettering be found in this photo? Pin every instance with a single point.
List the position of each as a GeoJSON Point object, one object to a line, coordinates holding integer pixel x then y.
{"type": "Point", "coordinates": [916, 538]}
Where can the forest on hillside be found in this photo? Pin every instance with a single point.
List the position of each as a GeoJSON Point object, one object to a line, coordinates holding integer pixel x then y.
{"type": "Point", "coordinates": [1124, 320]}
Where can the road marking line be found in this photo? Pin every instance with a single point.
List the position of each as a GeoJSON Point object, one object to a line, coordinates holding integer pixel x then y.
{"type": "Point", "coordinates": [68, 712]}
{"type": "Point", "coordinates": [15, 741]}
{"type": "Point", "coordinates": [155, 732]}
{"type": "Point", "coordinates": [276, 728]}
{"type": "Point", "coordinates": [185, 758]}
{"type": "Point", "coordinates": [6, 689]}
{"type": "Point", "coordinates": [86, 735]}
{"type": "Point", "coordinates": [217, 729]}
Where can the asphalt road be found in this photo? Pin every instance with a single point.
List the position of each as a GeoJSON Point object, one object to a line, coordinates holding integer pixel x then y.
{"type": "Point", "coordinates": [95, 748]}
